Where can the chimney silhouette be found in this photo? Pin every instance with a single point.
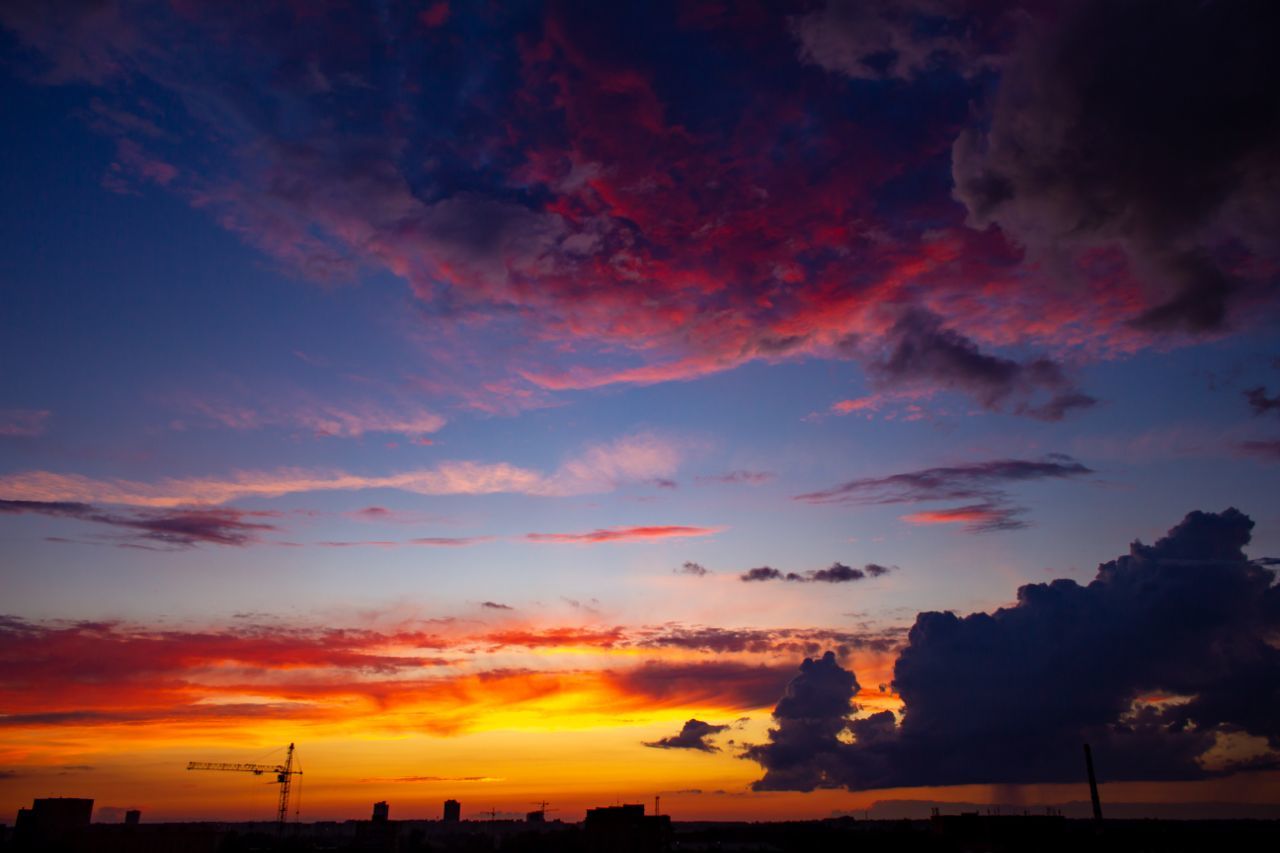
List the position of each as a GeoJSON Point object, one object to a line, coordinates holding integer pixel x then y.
{"type": "Point", "coordinates": [1093, 783]}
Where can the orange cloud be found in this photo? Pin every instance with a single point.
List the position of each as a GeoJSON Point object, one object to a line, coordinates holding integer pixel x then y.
{"type": "Point", "coordinates": [977, 514]}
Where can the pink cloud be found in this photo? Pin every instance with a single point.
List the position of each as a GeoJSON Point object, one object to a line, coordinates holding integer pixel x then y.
{"type": "Point", "coordinates": [597, 469]}
{"type": "Point", "coordinates": [326, 419]}
{"type": "Point", "coordinates": [624, 534]}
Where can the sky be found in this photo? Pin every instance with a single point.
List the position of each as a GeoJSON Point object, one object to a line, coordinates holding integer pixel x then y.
{"type": "Point", "coordinates": [775, 408]}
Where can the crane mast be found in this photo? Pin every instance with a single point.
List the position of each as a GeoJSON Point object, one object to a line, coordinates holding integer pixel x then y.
{"type": "Point", "coordinates": [284, 774]}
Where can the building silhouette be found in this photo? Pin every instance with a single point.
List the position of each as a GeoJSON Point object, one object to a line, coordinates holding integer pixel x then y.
{"type": "Point", "coordinates": [132, 817]}
{"type": "Point", "coordinates": [452, 811]}
{"type": "Point", "coordinates": [381, 812]}
{"type": "Point", "coordinates": [625, 829]}
{"type": "Point", "coordinates": [52, 823]}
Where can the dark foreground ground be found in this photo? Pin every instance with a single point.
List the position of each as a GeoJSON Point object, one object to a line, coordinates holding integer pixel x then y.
{"type": "Point", "coordinates": [952, 833]}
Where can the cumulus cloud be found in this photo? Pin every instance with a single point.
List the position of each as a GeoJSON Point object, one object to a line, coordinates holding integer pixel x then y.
{"type": "Point", "coordinates": [691, 568]}
{"type": "Point", "coordinates": [985, 481]}
{"type": "Point", "coordinates": [1150, 128]}
{"type": "Point", "coordinates": [835, 573]}
{"type": "Point", "coordinates": [1167, 651]}
{"type": "Point", "coordinates": [159, 529]}
{"type": "Point", "coordinates": [693, 735]}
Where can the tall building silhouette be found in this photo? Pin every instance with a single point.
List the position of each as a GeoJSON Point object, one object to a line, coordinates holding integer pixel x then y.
{"type": "Point", "coordinates": [452, 811]}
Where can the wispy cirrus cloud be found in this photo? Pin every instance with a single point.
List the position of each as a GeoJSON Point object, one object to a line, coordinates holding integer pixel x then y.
{"type": "Point", "coordinates": [624, 534]}
{"type": "Point", "coordinates": [23, 423]}
{"type": "Point", "coordinates": [325, 419]}
{"type": "Point", "coordinates": [599, 468]}
{"type": "Point", "coordinates": [985, 483]}
{"type": "Point", "coordinates": [422, 541]}
{"type": "Point", "coordinates": [740, 476]}
{"type": "Point", "coordinates": [1262, 449]}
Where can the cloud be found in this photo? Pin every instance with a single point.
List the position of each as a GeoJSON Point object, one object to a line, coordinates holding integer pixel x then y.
{"type": "Point", "coordinates": [693, 735]}
{"type": "Point", "coordinates": [163, 529]}
{"type": "Point", "coordinates": [835, 573]}
{"type": "Point", "coordinates": [770, 641]}
{"type": "Point", "coordinates": [920, 355]}
{"type": "Point", "coordinates": [437, 675]}
{"type": "Point", "coordinates": [556, 251]}
{"type": "Point", "coordinates": [761, 573]}
{"type": "Point", "coordinates": [691, 568]}
{"type": "Point", "coordinates": [984, 481]}
{"type": "Point", "coordinates": [1166, 651]}
{"type": "Point", "coordinates": [322, 418]}
{"type": "Point", "coordinates": [599, 468]}
{"type": "Point", "coordinates": [493, 605]}
{"type": "Point", "coordinates": [23, 423]}
{"type": "Point", "coordinates": [1268, 450]}
{"type": "Point", "coordinates": [738, 477]}
{"type": "Point", "coordinates": [726, 685]}
{"type": "Point", "coordinates": [976, 518]}
{"type": "Point", "coordinates": [428, 541]}
{"type": "Point", "coordinates": [1162, 148]}
{"type": "Point", "coordinates": [885, 39]}
{"type": "Point", "coordinates": [1260, 402]}
{"type": "Point", "coordinates": [624, 534]}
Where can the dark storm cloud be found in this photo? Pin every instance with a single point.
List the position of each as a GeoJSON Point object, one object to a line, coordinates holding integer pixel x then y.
{"type": "Point", "coordinates": [835, 573]}
{"type": "Point", "coordinates": [1151, 127]}
{"type": "Point", "coordinates": [982, 482]}
{"type": "Point", "coordinates": [692, 568]}
{"type": "Point", "coordinates": [919, 351]}
{"type": "Point", "coordinates": [1009, 696]}
{"type": "Point", "coordinates": [1260, 402]}
{"type": "Point", "coordinates": [164, 529]}
{"type": "Point", "coordinates": [693, 735]}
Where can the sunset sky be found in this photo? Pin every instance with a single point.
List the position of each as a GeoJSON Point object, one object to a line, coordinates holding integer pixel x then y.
{"type": "Point", "coordinates": [477, 393]}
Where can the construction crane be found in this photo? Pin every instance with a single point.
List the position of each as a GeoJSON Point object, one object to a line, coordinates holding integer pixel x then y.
{"type": "Point", "coordinates": [284, 774]}
{"type": "Point", "coordinates": [540, 814]}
